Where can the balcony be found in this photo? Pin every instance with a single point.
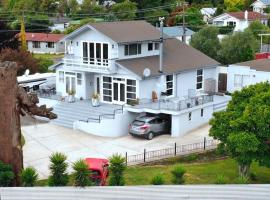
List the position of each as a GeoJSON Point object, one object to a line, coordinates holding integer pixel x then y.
{"type": "Point", "coordinates": [89, 64]}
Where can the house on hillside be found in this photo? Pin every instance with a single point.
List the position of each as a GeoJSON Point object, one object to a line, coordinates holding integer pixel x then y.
{"type": "Point", "coordinates": [247, 73]}
{"type": "Point", "coordinates": [134, 73]}
{"type": "Point", "coordinates": [260, 5]}
{"type": "Point", "coordinates": [45, 43]}
{"type": "Point", "coordinates": [178, 32]}
{"type": "Point", "coordinates": [208, 13]}
{"type": "Point", "coordinates": [240, 20]}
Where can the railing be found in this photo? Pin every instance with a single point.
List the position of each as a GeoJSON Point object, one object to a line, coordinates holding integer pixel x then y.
{"type": "Point", "coordinates": [102, 116]}
{"type": "Point", "coordinates": [186, 149]}
{"type": "Point", "coordinates": [175, 104]}
{"type": "Point", "coordinates": [94, 64]}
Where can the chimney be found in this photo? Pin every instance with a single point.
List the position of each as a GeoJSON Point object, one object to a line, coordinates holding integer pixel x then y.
{"type": "Point", "coordinates": [161, 46]}
{"type": "Point", "coordinates": [246, 15]}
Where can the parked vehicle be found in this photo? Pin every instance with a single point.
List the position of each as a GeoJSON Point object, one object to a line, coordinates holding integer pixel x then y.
{"type": "Point", "coordinates": [100, 170]}
{"type": "Point", "coordinates": [149, 126]}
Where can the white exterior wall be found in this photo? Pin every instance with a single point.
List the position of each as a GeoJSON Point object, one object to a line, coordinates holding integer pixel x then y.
{"type": "Point", "coordinates": [108, 127]}
{"type": "Point", "coordinates": [252, 76]}
{"type": "Point", "coordinates": [58, 48]}
{"type": "Point", "coordinates": [258, 6]}
{"type": "Point", "coordinates": [182, 125]}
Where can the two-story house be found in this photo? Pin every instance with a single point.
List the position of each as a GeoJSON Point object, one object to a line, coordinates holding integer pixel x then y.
{"type": "Point", "coordinates": [127, 64]}
{"type": "Point", "coordinates": [240, 20]}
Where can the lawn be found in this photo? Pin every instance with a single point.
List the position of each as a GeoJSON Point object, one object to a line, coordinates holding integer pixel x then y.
{"type": "Point", "coordinates": [196, 173]}
{"type": "Point", "coordinates": [48, 56]}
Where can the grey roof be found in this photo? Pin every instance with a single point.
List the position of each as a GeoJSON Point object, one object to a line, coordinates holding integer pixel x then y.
{"type": "Point", "coordinates": [177, 57]}
{"type": "Point", "coordinates": [259, 65]}
{"type": "Point", "coordinates": [128, 31]}
{"type": "Point", "coordinates": [176, 31]}
{"type": "Point", "coordinates": [266, 2]}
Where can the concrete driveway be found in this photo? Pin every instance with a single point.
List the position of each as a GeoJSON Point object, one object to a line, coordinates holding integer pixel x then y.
{"type": "Point", "coordinates": [44, 139]}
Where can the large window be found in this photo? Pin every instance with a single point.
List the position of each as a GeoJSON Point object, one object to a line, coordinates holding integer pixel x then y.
{"type": "Point", "coordinates": [36, 44]}
{"type": "Point", "coordinates": [199, 84]}
{"type": "Point", "coordinates": [169, 85]}
{"type": "Point", "coordinates": [131, 90]}
{"type": "Point", "coordinates": [240, 80]}
{"type": "Point", "coordinates": [133, 49]}
{"type": "Point", "coordinates": [50, 44]}
{"type": "Point", "coordinates": [107, 88]}
{"type": "Point", "coordinates": [95, 53]}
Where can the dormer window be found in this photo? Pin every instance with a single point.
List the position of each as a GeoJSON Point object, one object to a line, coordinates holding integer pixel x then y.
{"type": "Point", "coordinates": [133, 49]}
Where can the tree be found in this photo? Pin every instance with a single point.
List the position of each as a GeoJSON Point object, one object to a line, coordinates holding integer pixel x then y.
{"type": "Point", "coordinates": [125, 10]}
{"type": "Point", "coordinates": [29, 177]}
{"type": "Point", "coordinates": [257, 28]}
{"type": "Point", "coordinates": [243, 129]}
{"type": "Point", "coordinates": [73, 27]}
{"type": "Point", "coordinates": [82, 174]}
{"type": "Point", "coordinates": [206, 41]}
{"type": "Point", "coordinates": [239, 47]}
{"type": "Point", "coordinates": [117, 167]}
{"type": "Point", "coordinates": [234, 5]}
{"type": "Point", "coordinates": [15, 101]}
{"type": "Point", "coordinates": [153, 16]}
{"type": "Point", "coordinates": [24, 60]}
{"type": "Point", "coordinates": [7, 37]}
{"type": "Point", "coordinates": [58, 167]}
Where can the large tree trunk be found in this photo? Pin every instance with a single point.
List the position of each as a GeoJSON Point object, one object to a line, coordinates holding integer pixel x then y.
{"type": "Point", "coordinates": [10, 132]}
{"type": "Point", "coordinates": [244, 170]}
{"type": "Point", "coordinates": [13, 102]}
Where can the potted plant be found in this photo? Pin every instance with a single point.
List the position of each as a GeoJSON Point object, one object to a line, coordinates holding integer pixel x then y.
{"type": "Point", "coordinates": [95, 100]}
{"type": "Point", "coordinates": [71, 96]}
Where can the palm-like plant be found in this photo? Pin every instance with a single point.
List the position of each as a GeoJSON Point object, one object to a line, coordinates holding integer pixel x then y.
{"type": "Point", "coordinates": [82, 174]}
{"type": "Point", "coordinates": [29, 177]}
{"type": "Point", "coordinates": [178, 174]}
{"type": "Point", "coordinates": [58, 167]}
{"type": "Point", "coordinates": [117, 168]}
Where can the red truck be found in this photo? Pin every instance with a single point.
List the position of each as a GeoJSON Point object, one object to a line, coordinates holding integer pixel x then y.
{"type": "Point", "coordinates": [100, 170]}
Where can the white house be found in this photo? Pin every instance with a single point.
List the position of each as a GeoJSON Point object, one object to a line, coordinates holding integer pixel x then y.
{"type": "Point", "coordinates": [247, 73]}
{"type": "Point", "coordinates": [208, 13]}
{"type": "Point", "coordinates": [178, 33]}
{"type": "Point", "coordinates": [128, 68]}
{"type": "Point", "coordinates": [240, 20]}
{"type": "Point", "coordinates": [260, 5]}
{"type": "Point", "coordinates": [45, 43]}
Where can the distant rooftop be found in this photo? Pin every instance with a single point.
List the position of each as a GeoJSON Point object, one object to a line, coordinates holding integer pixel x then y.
{"type": "Point", "coordinates": [259, 65]}
{"type": "Point", "coordinates": [43, 37]}
{"type": "Point", "coordinates": [176, 31]}
{"type": "Point", "coordinates": [208, 11]}
{"type": "Point", "coordinates": [251, 15]}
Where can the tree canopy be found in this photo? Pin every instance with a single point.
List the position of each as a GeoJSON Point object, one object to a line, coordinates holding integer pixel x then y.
{"type": "Point", "coordinates": [243, 129]}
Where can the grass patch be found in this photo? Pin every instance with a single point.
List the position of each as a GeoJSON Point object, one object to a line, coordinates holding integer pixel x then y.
{"type": "Point", "coordinates": [48, 56]}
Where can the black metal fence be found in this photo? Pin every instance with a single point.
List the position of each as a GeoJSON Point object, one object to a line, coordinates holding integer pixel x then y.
{"type": "Point", "coordinates": [175, 150]}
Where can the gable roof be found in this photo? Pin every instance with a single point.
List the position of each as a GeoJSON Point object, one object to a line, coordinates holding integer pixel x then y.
{"type": "Point", "coordinates": [177, 57]}
{"type": "Point", "coordinates": [208, 11]}
{"type": "Point", "coordinates": [259, 65]}
{"type": "Point", "coordinates": [128, 31]}
{"type": "Point", "coordinates": [252, 16]}
{"type": "Point", "coordinates": [44, 37]}
{"type": "Point", "coordinates": [176, 31]}
{"type": "Point", "coordinates": [266, 2]}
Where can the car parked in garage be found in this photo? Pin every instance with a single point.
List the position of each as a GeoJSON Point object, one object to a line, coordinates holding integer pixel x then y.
{"type": "Point", "coordinates": [149, 126]}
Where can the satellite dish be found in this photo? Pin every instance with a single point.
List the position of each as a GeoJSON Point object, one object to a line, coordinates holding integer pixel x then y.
{"type": "Point", "coordinates": [27, 72]}
{"type": "Point", "coordinates": [146, 72]}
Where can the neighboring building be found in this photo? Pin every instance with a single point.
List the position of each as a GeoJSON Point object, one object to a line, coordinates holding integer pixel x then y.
{"type": "Point", "coordinates": [122, 65]}
{"type": "Point", "coordinates": [59, 23]}
{"type": "Point", "coordinates": [240, 20]}
{"type": "Point", "coordinates": [45, 43]}
{"type": "Point", "coordinates": [178, 32]}
{"type": "Point", "coordinates": [208, 13]}
{"type": "Point", "coordinates": [260, 5]}
{"type": "Point", "coordinates": [248, 73]}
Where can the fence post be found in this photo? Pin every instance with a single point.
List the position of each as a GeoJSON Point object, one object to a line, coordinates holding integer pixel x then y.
{"type": "Point", "coordinates": [204, 143]}
{"type": "Point", "coordinates": [144, 154]}
{"type": "Point", "coordinates": [126, 159]}
{"type": "Point", "coordinates": [175, 148]}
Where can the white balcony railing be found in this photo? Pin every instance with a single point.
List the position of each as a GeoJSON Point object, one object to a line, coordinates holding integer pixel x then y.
{"type": "Point", "coordinates": [88, 64]}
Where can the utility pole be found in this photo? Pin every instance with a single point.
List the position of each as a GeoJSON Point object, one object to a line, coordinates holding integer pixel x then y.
{"type": "Point", "coordinates": [183, 4]}
{"type": "Point", "coordinates": [161, 19]}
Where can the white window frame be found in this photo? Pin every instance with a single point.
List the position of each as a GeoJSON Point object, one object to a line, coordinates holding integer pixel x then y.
{"type": "Point", "coordinates": [36, 44]}
{"type": "Point", "coordinates": [128, 53]}
{"type": "Point", "coordinates": [52, 45]}
{"type": "Point", "coordinates": [61, 76]}
{"type": "Point", "coordinates": [172, 87]}
{"type": "Point", "coordinates": [79, 79]}
{"type": "Point", "coordinates": [130, 92]}
{"type": "Point", "coordinates": [199, 82]}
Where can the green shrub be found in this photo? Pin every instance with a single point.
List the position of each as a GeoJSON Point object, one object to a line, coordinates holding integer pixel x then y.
{"type": "Point", "coordinates": [253, 176]}
{"type": "Point", "coordinates": [29, 177]}
{"type": "Point", "coordinates": [242, 180]}
{"type": "Point", "coordinates": [191, 157]}
{"type": "Point", "coordinates": [116, 168]}
{"type": "Point", "coordinates": [82, 174]}
{"type": "Point", "coordinates": [44, 64]}
{"type": "Point", "coordinates": [58, 168]}
{"type": "Point", "coordinates": [178, 174]}
{"type": "Point", "coordinates": [157, 180]}
{"type": "Point", "coordinates": [220, 179]}
{"type": "Point", "coordinates": [221, 150]}
{"type": "Point", "coordinates": [6, 175]}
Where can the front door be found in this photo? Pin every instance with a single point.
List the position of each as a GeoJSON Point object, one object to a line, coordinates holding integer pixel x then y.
{"type": "Point", "coordinates": [71, 84]}
{"type": "Point", "coordinates": [119, 93]}
{"type": "Point", "coordinates": [222, 82]}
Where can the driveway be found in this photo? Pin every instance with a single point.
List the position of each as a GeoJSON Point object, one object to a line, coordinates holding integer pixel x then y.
{"type": "Point", "coordinates": [44, 139]}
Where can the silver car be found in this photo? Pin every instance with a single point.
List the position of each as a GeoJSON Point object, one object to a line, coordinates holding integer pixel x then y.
{"type": "Point", "coordinates": [149, 126]}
